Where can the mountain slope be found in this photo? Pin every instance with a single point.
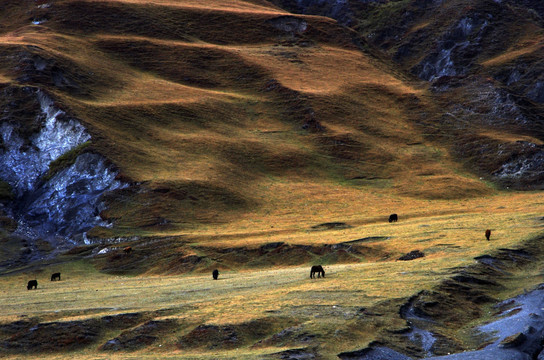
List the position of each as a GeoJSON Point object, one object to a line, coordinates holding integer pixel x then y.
{"type": "Point", "coordinates": [146, 143]}
{"type": "Point", "coordinates": [482, 60]}
{"type": "Point", "coordinates": [200, 117]}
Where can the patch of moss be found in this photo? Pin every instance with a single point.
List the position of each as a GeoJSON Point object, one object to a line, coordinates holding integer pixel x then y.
{"type": "Point", "coordinates": [383, 15]}
{"type": "Point", "coordinates": [6, 192]}
{"type": "Point", "coordinates": [65, 160]}
{"type": "Point", "coordinates": [101, 232]}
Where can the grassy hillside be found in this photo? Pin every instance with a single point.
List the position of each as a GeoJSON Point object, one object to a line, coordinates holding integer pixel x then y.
{"type": "Point", "coordinates": [269, 304]}
{"type": "Point", "coordinates": [482, 61]}
{"type": "Point", "coordinates": [257, 142]}
{"type": "Point", "coordinates": [208, 120]}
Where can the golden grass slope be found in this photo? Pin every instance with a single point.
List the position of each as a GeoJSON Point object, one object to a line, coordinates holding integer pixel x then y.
{"type": "Point", "coordinates": [337, 313]}
{"type": "Point", "coordinates": [239, 125]}
{"type": "Point", "coordinates": [186, 94]}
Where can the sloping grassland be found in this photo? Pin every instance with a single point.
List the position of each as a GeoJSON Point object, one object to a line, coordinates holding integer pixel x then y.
{"type": "Point", "coordinates": [257, 142]}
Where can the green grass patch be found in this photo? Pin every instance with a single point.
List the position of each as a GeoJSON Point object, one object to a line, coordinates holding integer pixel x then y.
{"type": "Point", "coordinates": [65, 160]}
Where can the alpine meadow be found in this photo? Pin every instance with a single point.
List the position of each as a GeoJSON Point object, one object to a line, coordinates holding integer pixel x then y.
{"type": "Point", "coordinates": [171, 171]}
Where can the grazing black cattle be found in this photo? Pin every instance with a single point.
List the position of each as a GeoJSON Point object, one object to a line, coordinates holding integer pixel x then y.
{"type": "Point", "coordinates": [317, 269]}
{"type": "Point", "coordinates": [393, 218]}
{"type": "Point", "coordinates": [215, 274]}
{"type": "Point", "coordinates": [32, 284]}
{"type": "Point", "coordinates": [55, 276]}
{"type": "Point", "coordinates": [487, 234]}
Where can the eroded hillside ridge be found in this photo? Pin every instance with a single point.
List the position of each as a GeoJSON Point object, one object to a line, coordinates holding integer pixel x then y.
{"type": "Point", "coordinates": [513, 332]}
{"type": "Point", "coordinates": [336, 9]}
{"type": "Point", "coordinates": [484, 62]}
{"type": "Point", "coordinates": [56, 184]}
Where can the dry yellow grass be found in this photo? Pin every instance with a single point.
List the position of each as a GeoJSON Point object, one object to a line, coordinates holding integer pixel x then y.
{"type": "Point", "coordinates": [212, 5]}
{"type": "Point", "coordinates": [506, 137]}
{"type": "Point", "coordinates": [525, 47]}
{"type": "Point", "coordinates": [450, 233]}
{"type": "Point", "coordinates": [427, 222]}
{"type": "Point", "coordinates": [139, 110]}
{"type": "Point", "coordinates": [339, 69]}
{"type": "Point", "coordinates": [225, 160]}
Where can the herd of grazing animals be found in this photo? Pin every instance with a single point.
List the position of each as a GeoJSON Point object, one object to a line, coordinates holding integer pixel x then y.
{"type": "Point", "coordinates": [33, 284]}
{"type": "Point", "coordinates": [316, 269]}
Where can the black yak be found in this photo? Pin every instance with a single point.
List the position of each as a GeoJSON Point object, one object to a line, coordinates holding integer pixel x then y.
{"type": "Point", "coordinates": [393, 218]}
{"type": "Point", "coordinates": [487, 234]}
{"type": "Point", "coordinates": [32, 284]}
{"type": "Point", "coordinates": [215, 274]}
{"type": "Point", "coordinates": [55, 276]}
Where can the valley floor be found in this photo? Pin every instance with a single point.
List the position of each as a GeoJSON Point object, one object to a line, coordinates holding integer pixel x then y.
{"type": "Point", "coordinates": [265, 308]}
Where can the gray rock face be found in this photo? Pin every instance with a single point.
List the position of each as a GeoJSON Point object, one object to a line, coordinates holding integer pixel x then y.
{"type": "Point", "coordinates": [455, 51]}
{"type": "Point", "coordinates": [520, 326]}
{"type": "Point", "coordinates": [289, 24]}
{"type": "Point", "coordinates": [490, 106]}
{"type": "Point", "coordinates": [68, 203]}
{"type": "Point", "coordinates": [517, 164]}
{"type": "Point", "coordinates": [524, 77]}
{"type": "Point", "coordinates": [517, 333]}
{"type": "Point", "coordinates": [527, 165]}
{"type": "Point", "coordinates": [504, 354]}
{"type": "Point", "coordinates": [536, 93]}
{"type": "Point", "coordinates": [23, 165]}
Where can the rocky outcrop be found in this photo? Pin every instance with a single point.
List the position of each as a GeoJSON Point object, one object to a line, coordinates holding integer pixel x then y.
{"type": "Point", "coordinates": [516, 164]}
{"type": "Point", "coordinates": [69, 203]}
{"type": "Point", "coordinates": [52, 199]}
{"type": "Point", "coordinates": [25, 160]}
{"type": "Point", "coordinates": [523, 76]}
{"type": "Point", "coordinates": [289, 24]}
{"type": "Point", "coordinates": [412, 255]}
{"type": "Point", "coordinates": [524, 167]}
{"type": "Point", "coordinates": [373, 353]}
{"type": "Point", "coordinates": [456, 51]}
{"type": "Point", "coordinates": [516, 329]}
